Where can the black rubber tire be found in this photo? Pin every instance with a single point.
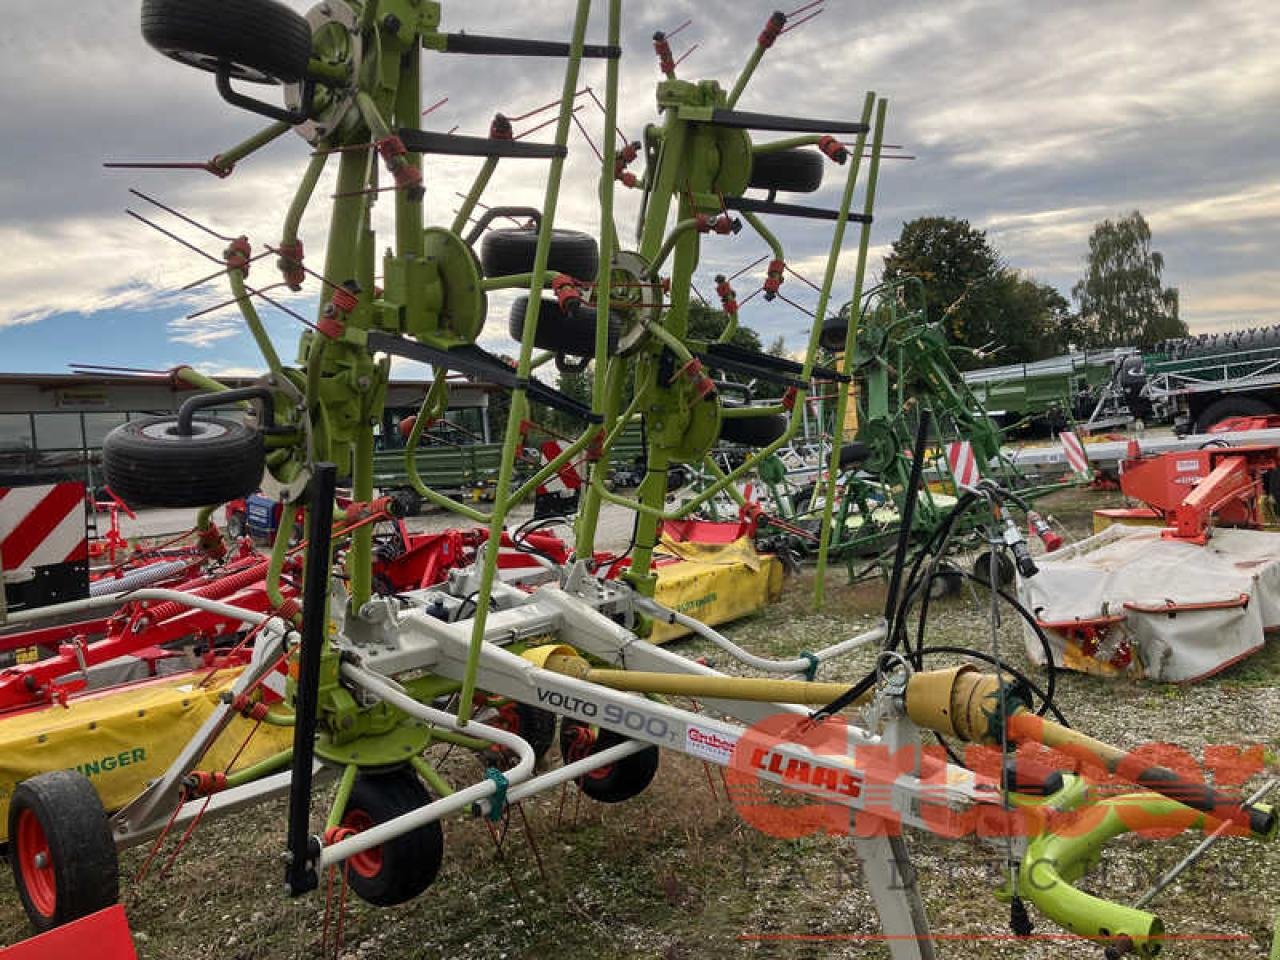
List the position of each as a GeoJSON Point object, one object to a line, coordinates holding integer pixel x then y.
{"type": "Point", "coordinates": [401, 868]}
{"type": "Point", "coordinates": [1004, 569]}
{"type": "Point", "coordinates": [264, 41]}
{"type": "Point", "coordinates": [795, 171]}
{"type": "Point", "coordinates": [617, 782]}
{"type": "Point", "coordinates": [1236, 405]}
{"type": "Point", "coordinates": [509, 251]}
{"type": "Point", "coordinates": [753, 431]}
{"type": "Point", "coordinates": [559, 332]}
{"type": "Point", "coordinates": [64, 809]}
{"type": "Point", "coordinates": [854, 454]}
{"type": "Point", "coordinates": [148, 464]}
{"type": "Point", "coordinates": [834, 331]}
{"type": "Point", "coordinates": [537, 726]}
{"type": "Point", "coordinates": [945, 583]}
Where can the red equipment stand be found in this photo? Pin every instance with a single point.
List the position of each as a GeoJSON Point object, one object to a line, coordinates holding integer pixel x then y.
{"type": "Point", "coordinates": [103, 936]}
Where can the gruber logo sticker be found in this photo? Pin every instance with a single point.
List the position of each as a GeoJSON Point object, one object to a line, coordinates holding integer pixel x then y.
{"type": "Point", "coordinates": [709, 745]}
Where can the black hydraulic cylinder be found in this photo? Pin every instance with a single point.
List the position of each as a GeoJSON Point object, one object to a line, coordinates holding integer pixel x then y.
{"type": "Point", "coordinates": [743, 119]}
{"type": "Point", "coordinates": [457, 145]}
{"type": "Point", "coordinates": [300, 874]}
{"type": "Point", "coordinates": [907, 520]}
{"type": "Point", "coordinates": [752, 205]}
{"type": "Point", "coordinates": [520, 47]}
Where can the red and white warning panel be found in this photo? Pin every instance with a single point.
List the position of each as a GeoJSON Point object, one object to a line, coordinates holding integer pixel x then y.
{"type": "Point", "coordinates": [558, 495]}
{"type": "Point", "coordinates": [1073, 447]}
{"type": "Point", "coordinates": [963, 464]}
{"type": "Point", "coordinates": [44, 544]}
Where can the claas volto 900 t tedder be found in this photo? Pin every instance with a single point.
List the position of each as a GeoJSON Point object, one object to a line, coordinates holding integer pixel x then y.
{"type": "Point", "coordinates": [375, 681]}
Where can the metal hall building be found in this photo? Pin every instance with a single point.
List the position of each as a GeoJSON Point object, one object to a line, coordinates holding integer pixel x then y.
{"type": "Point", "coordinates": [52, 425]}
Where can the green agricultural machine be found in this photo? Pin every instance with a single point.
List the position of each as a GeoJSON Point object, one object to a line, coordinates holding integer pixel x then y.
{"type": "Point", "coordinates": [374, 684]}
{"type": "Point", "coordinates": [913, 407]}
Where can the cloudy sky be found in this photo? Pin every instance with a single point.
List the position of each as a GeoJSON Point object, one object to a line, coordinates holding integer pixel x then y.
{"type": "Point", "coordinates": [1032, 120]}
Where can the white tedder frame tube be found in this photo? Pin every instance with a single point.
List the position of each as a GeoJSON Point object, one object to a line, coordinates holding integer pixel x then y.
{"type": "Point", "coordinates": [396, 695]}
{"type": "Point", "coordinates": [796, 665]}
{"type": "Point", "coordinates": [150, 593]}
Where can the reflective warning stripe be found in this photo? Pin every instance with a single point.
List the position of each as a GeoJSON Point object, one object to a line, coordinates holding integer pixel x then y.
{"type": "Point", "coordinates": [1073, 447]}
{"type": "Point", "coordinates": [963, 464]}
{"type": "Point", "coordinates": [566, 478]}
{"type": "Point", "coordinates": [274, 684]}
{"type": "Point", "coordinates": [42, 525]}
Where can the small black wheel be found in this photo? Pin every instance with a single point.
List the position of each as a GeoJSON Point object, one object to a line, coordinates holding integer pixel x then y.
{"type": "Point", "coordinates": [854, 454]}
{"type": "Point", "coordinates": [834, 331]}
{"type": "Point", "coordinates": [149, 464]}
{"type": "Point", "coordinates": [510, 251]}
{"type": "Point", "coordinates": [1271, 484]}
{"type": "Point", "coordinates": [945, 583]}
{"type": "Point", "coordinates": [1237, 405]}
{"type": "Point", "coordinates": [537, 726]}
{"type": "Point", "coordinates": [753, 431]}
{"type": "Point", "coordinates": [678, 476]}
{"type": "Point", "coordinates": [794, 171]}
{"type": "Point", "coordinates": [402, 868]}
{"type": "Point", "coordinates": [560, 332]}
{"type": "Point", "coordinates": [261, 40]}
{"type": "Point", "coordinates": [1004, 569]}
{"type": "Point", "coordinates": [61, 850]}
{"type": "Point", "coordinates": [617, 782]}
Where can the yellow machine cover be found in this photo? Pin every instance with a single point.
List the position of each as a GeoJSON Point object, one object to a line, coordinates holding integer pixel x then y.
{"type": "Point", "coordinates": [124, 736]}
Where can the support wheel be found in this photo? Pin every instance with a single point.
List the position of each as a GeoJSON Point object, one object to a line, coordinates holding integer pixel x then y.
{"type": "Point", "coordinates": [617, 782]}
{"type": "Point", "coordinates": [834, 330]}
{"type": "Point", "coordinates": [60, 847]}
{"type": "Point", "coordinates": [402, 868]}
{"type": "Point", "coordinates": [562, 333]}
{"type": "Point", "coordinates": [1004, 569]}
{"type": "Point", "coordinates": [854, 455]}
{"type": "Point", "coordinates": [149, 464]}
{"type": "Point", "coordinates": [511, 251]}
{"type": "Point", "coordinates": [1237, 405]}
{"type": "Point", "coordinates": [794, 171]}
{"type": "Point", "coordinates": [263, 41]}
{"type": "Point", "coordinates": [945, 583]}
{"type": "Point", "coordinates": [537, 726]}
{"type": "Point", "coordinates": [753, 431]}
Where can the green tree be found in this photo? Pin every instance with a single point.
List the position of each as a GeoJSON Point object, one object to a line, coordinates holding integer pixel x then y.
{"type": "Point", "coordinates": [1001, 314]}
{"type": "Point", "coordinates": [1122, 294]}
{"type": "Point", "coordinates": [575, 384]}
{"type": "Point", "coordinates": [955, 263]}
{"type": "Point", "coordinates": [707, 324]}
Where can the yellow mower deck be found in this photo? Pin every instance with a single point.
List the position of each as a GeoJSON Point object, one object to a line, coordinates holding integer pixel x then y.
{"type": "Point", "coordinates": [122, 737]}
{"type": "Point", "coordinates": [715, 583]}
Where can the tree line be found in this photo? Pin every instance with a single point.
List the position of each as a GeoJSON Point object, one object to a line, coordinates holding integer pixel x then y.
{"type": "Point", "coordinates": [1005, 316]}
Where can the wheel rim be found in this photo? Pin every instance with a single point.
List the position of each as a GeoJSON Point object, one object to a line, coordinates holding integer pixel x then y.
{"type": "Point", "coordinates": [36, 865]}
{"type": "Point", "coordinates": [582, 745]}
{"type": "Point", "coordinates": [168, 430]}
{"type": "Point", "coordinates": [366, 863]}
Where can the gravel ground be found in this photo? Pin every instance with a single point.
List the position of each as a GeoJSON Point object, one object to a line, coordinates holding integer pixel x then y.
{"type": "Point", "coordinates": [676, 874]}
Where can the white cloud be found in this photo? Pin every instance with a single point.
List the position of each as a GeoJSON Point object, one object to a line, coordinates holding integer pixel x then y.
{"type": "Point", "coordinates": [1032, 121]}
